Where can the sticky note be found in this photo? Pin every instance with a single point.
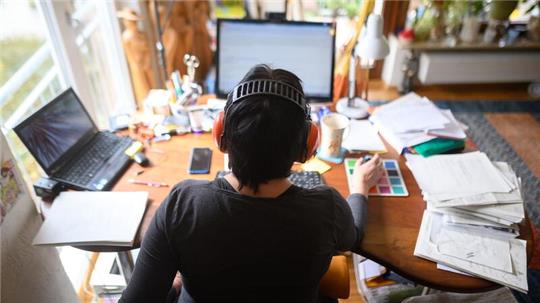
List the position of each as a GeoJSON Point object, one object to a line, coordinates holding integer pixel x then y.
{"type": "Point", "coordinates": [316, 165]}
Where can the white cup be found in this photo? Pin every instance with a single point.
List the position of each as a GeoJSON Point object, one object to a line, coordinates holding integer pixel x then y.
{"type": "Point", "coordinates": [333, 127]}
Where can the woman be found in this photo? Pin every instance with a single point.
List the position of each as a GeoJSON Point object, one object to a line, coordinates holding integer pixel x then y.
{"type": "Point", "coordinates": [252, 236]}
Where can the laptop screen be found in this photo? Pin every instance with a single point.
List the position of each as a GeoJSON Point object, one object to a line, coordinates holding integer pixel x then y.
{"type": "Point", "coordinates": [53, 132]}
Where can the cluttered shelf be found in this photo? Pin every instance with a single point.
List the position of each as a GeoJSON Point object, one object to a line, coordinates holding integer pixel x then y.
{"type": "Point", "coordinates": [522, 44]}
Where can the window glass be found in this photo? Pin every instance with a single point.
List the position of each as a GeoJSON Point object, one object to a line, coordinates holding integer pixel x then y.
{"type": "Point", "coordinates": [28, 75]}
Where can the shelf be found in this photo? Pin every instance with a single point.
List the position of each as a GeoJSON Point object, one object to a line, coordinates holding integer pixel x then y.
{"type": "Point", "coordinates": [521, 45]}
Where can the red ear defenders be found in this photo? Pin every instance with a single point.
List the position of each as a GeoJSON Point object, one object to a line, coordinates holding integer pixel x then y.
{"type": "Point", "coordinates": [275, 88]}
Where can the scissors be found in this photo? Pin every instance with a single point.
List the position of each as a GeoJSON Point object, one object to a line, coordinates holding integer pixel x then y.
{"type": "Point", "coordinates": [192, 62]}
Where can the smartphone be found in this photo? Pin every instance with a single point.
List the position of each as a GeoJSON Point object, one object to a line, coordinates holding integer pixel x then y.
{"type": "Point", "coordinates": [200, 160]}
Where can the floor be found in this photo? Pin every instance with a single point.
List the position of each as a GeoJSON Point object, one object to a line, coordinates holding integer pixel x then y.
{"type": "Point", "coordinates": [512, 126]}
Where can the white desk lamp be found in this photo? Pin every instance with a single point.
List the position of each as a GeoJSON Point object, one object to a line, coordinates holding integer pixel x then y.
{"type": "Point", "coordinates": [371, 46]}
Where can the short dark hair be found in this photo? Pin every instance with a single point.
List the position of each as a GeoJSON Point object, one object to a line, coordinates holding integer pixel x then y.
{"type": "Point", "coordinates": [264, 134]}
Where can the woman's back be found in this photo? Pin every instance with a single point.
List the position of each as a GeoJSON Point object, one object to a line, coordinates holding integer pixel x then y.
{"type": "Point", "coordinates": [229, 246]}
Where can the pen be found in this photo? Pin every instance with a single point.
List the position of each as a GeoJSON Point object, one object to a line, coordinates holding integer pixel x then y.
{"type": "Point", "coordinates": [366, 158]}
{"type": "Point", "coordinates": [148, 183]}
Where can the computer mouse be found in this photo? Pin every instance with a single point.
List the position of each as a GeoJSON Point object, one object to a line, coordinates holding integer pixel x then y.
{"type": "Point", "coordinates": [141, 159]}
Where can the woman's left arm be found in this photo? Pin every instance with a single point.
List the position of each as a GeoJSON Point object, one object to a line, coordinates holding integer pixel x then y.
{"type": "Point", "coordinates": [156, 265]}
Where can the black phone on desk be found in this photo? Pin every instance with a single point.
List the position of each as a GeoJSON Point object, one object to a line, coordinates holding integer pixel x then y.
{"type": "Point", "coordinates": [200, 160]}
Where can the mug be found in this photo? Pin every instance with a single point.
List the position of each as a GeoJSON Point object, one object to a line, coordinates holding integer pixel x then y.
{"type": "Point", "coordinates": [332, 129]}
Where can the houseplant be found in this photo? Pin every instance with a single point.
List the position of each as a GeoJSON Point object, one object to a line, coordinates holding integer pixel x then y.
{"type": "Point", "coordinates": [471, 21]}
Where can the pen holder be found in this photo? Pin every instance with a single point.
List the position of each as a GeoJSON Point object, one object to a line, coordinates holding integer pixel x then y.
{"type": "Point", "coordinates": [180, 113]}
{"type": "Point", "coordinates": [191, 93]}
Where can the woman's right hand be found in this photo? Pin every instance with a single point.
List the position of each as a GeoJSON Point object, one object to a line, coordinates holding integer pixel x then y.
{"type": "Point", "coordinates": [366, 175]}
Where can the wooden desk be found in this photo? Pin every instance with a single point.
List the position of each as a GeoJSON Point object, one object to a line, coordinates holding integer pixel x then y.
{"type": "Point", "coordinates": [392, 227]}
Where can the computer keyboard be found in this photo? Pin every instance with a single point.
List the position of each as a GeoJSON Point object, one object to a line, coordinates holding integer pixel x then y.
{"type": "Point", "coordinates": [306, 179]}
{"type": "Point", "coordinates": [98, 151]}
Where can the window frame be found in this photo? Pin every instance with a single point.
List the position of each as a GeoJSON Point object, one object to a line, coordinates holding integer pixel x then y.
{"type": "Point", "coordinates": [58, 17]}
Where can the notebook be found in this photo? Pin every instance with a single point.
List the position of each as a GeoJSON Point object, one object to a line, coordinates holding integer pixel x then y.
{"type": "Point", "coordinates": [68, 146]}
{"type": "Point", "coordinates": [93, 218]}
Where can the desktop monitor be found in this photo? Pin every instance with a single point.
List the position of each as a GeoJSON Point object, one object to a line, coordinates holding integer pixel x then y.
{"type": "Point", "coordinates": [304, 48]}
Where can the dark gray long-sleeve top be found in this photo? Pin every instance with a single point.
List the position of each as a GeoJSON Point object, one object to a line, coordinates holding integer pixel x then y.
{"type": "Point", "coordinates": [235, 248]}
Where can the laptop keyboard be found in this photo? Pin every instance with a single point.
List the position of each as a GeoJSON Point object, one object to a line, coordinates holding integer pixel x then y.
{"type": "Point", "coordinates": [98, 151]}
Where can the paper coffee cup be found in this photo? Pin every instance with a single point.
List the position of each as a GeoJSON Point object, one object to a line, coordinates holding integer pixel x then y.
{"type": "Point", "coordinates": [333, 127]}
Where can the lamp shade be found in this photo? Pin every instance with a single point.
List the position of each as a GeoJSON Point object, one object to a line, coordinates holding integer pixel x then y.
{"type": "Point", "coordinates": [372, 45]}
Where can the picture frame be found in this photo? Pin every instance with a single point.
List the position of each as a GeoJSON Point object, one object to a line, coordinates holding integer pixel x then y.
{"type": "Point", "coordinates": [12, 188]}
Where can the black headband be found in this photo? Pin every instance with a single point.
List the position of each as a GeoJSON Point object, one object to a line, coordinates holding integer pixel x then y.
{"type": "Point", "coordinates": [270, 87]}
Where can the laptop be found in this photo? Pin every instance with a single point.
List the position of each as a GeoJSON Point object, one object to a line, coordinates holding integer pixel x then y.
{"type": "Point", "coordinates": [68, 146]}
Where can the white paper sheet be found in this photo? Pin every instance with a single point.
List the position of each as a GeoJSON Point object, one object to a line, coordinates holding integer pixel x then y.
{"type": "Point", "coordinates": [453, 129]}
{"type": "Point", "coordinates": [362, 136]}
{"type": "Point", "coordinates": [512, 212]}
{"type": "Point", "coordinates": [370, 269]}
{"type": "Point", "coordinates": [472, 220]}
{"type": "Point", "coordinates": [513, 196]}
{"type": "Point", "coordinates": [425, 248]}
{"type": "Point", "coordinates": [93, 218]}
{"type": "Point", "coordinates": [450, 269]}
{"type": "Point", "coordinates": [400, 141]}
{"type": "Point", "coordinates": [410, 113]}
{"type": "Point", "coordinates": [458, 175]}
{"type": "Point", "coordinates": [482, 250]}
{"type": "Point", "coordinates": [457, 211]}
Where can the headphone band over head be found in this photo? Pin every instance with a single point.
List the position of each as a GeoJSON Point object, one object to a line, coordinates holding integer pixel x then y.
{"type": "Point", "coordinates": [270, 87]}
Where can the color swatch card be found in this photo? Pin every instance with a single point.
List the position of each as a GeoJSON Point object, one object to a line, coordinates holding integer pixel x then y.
{"type": "Point", "coordinates": [390, 184]}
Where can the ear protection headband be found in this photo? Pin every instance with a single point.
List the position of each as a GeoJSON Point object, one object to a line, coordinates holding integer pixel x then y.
{"type": "Point", "coordinates": [273, 88]}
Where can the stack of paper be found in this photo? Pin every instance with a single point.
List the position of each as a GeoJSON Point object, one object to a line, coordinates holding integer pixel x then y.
{"type": "Point", "coordinates": [411, 120]}
{"type": "Point", "coordinates": [470, 225]}
{"type": "Point", "coordinates": [362, 136]}
{"type": "Point", "coordinates": [93, 218]}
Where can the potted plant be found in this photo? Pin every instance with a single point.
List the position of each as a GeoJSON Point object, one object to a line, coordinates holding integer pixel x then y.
{"type": "Point", "coordinates": [499, 11]}
{"type": "Point", "coordinates": [533, 25]}
{"type": "Point", "coordinates": [472, 21]}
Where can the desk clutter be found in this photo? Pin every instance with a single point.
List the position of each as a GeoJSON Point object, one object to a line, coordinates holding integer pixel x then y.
{"type": "Point", "coordinates": [379, 284]}
{"type": "Point", "coordinates": [411, 121]}
{"type": "Point", "coordinates": [470, 224]}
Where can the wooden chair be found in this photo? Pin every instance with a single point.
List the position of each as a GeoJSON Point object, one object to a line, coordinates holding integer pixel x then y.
{"type": "Point", "coordinates": [335, 282]}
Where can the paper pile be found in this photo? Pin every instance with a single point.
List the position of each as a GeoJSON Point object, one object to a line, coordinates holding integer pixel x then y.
{"type": "Point", "coordinates": [473, 208]}
{"type": "Point", "coordinates": [362, 136]}
{"type": "Point", "coordinates": [411, 120]}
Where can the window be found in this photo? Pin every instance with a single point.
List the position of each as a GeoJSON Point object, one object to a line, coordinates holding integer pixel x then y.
{"type": "Point", "coordinates": [69, 43]}
{"type": "Point", "coordinates": [29, 76]}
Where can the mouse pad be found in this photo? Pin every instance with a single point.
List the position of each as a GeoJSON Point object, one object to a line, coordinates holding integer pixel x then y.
{"type": "Point", "coordinates": [390, 184]}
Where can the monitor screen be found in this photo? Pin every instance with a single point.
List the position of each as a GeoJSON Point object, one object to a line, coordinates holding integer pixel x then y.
{"type": "Point", "coordinates": [304, 48]}
{"type": "Point", "coordinates": [55, 129]}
